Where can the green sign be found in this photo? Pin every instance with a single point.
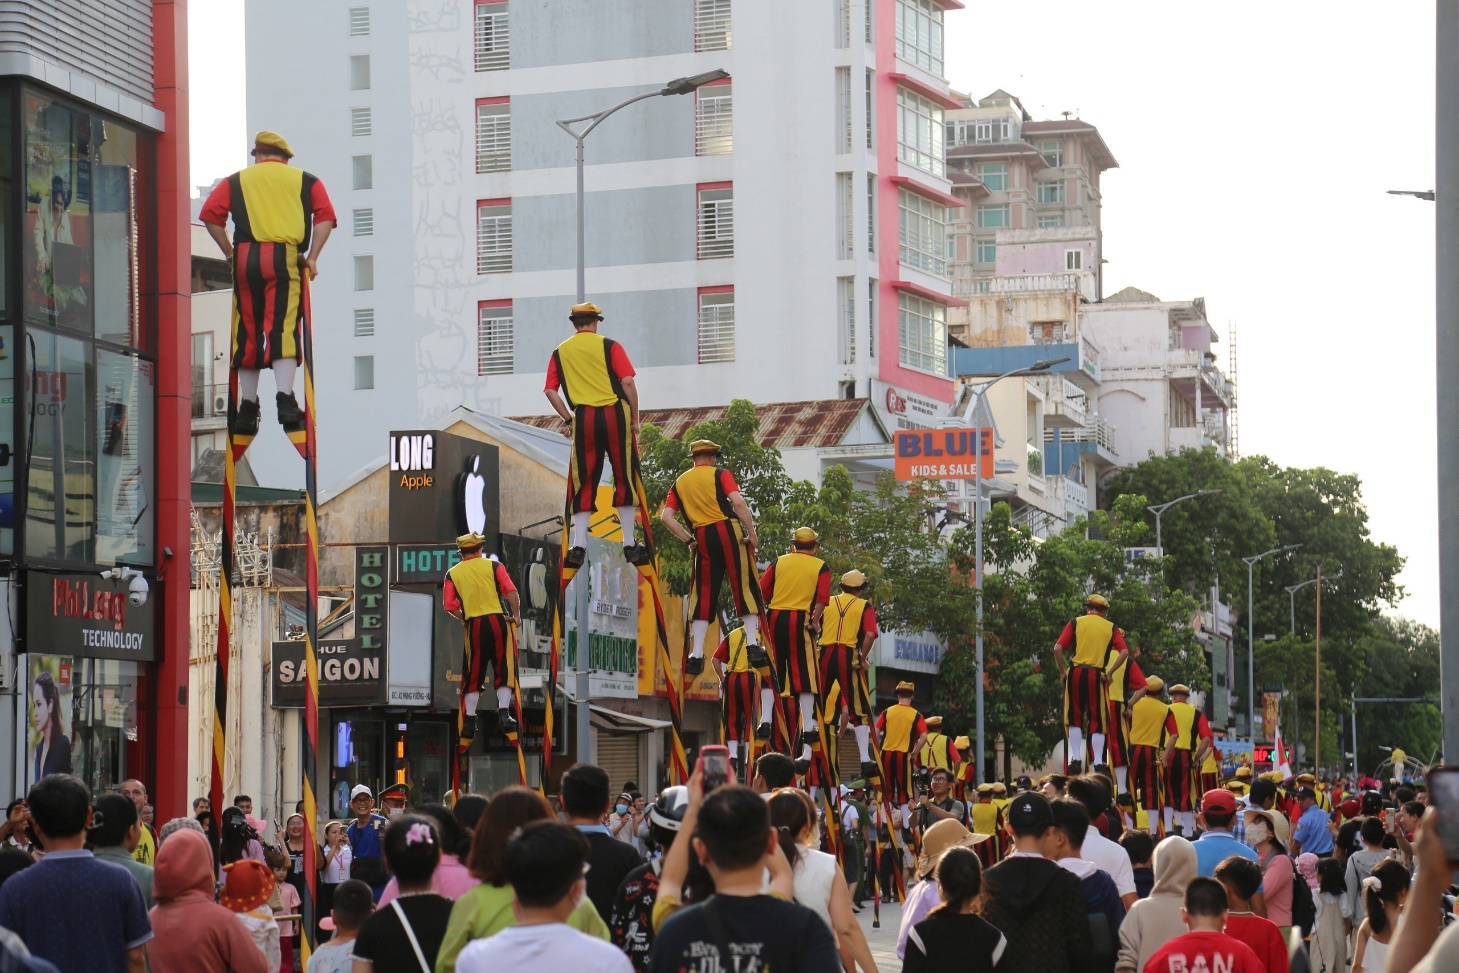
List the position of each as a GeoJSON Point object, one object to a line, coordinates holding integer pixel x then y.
{"type": "Point", "coordinates": [424, 563]}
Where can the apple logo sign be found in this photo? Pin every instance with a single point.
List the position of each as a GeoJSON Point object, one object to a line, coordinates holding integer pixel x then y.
{"type": "Point", "coordinates": [471, 499]}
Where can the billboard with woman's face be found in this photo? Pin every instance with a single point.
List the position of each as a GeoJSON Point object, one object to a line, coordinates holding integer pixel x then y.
{"type": "Point", "coordinates": [49, 722]}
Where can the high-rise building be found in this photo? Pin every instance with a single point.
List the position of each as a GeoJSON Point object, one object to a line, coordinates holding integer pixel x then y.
{"type": "Point", "coordinates": [779, 235]}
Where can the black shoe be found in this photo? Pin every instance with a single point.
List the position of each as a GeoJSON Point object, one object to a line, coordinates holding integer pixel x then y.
{"type": "Point", "coordinates": [637, 555]}
{"type": "Point", "coordinates": [468, 727]}
{"type": "Point", "coordinates": [1076, 767]}
{"type": "Point", "coordinates": [693, 665]}
{"type": "Point", "coordinates": [245, 419]}
{"type": "Point", "coordinates": [810, 737]}
{"type": "Point", "coordinates": [291, 417]}
{"type": "Point", "coordinates": [870, 771]}
{"type": "Point", "coordinates": [506, 721]}
{"type": "Point", "coordinates": [762, 732]}
{"type": "Point", "coordinates": [758, 657]}
{"type": "Point", "coordinates": [574, 557]}
{"type": "Point", "coordinates": [802, 767]}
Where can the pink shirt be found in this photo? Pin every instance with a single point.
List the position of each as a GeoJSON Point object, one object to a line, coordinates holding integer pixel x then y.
{"type": "Point", "coordinates": [289, 905]}
{"type": "Point", "coordinates": [1277, 887]}
{"type": "Point", "coordinates": [451, 880]}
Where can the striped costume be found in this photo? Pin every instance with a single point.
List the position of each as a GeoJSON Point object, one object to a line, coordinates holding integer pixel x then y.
{"type": "Point", "coordinates": [702, 494]}
{"type": "Point", "coordinates": [1123, 684]}
{"type": "Point", "coordinates": [793, 585]}
{"type": "Point", "coordinates": [847, 620]}
{"type": "Point", "coordinates": [1094, 640]}
{"type": "Point", "coordinates": [741, 686]}
{"type": "Point", "coordinates": [477, 587]}
{"type": "Point", "coordinates": [1147, 740]}
{"type": "Point", "coordinates": [590, 369]}
{"type": "Point", "coordinates": [1187, 726]}
{"type": "Point", "coordinates": [901, 727]}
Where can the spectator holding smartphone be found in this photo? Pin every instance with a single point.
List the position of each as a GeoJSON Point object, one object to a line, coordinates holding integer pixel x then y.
{"type": "Point", "coordinates": [1417, 946]}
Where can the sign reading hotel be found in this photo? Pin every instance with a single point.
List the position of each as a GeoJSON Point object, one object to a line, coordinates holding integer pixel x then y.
{"type": "Point", "coordinates": [944, 454]}
{"type": "Point", "coordinates": [83, 615]}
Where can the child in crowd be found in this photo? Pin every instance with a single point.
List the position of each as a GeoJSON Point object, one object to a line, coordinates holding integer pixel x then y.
{"type": "Point", "coordinates": [247, 886]}
{"type": "Point", "coordinates": [353, 903]}
{"type": "Point", "coordinates": [954, 936]}
{"type": "Point", "coordinates": [1334, 914]}
{"type": "Point", "coordinates": [1140, 846]}
{"type": "Point", "coordinates": [1242, 878]}
{"type": "Point", "coordinates": [1206, 946]}
{"type": "Point", "coordinates": [284, 902]}
{"type": "Point", "coordinates": [1384, 892]}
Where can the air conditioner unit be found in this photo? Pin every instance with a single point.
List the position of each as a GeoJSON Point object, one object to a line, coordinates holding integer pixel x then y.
{"type": "Point", "coordinates": [220, 404]}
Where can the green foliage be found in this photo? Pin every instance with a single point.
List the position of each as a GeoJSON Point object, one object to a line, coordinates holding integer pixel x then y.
{"type": "Point", "coordinates": [1401, 660]}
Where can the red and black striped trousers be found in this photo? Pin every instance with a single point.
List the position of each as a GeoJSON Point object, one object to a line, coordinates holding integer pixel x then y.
{"type": "Point", "coordinates": [1084, 699]}
{"type": "Point", "coordinates": [837, 670]}
{"type": "Point", "coordinates": [1180, 781]}
{"type": "Point", "coordinates": [741, 700]}
{"type": "Point", "coordinates": [488, 638]}
{"type": "Point", "coordinates": [267, 305]}
{"type": "Point", "coordinates": [1118, 735]}
{"type": "Point", "coordinates": [1145, 777]}
{"type": "Point", "coordinates": [897, 782]}
{"type": "Point", "coordinates": [1209, 782]}
{"type": "Point", "coordinates": [598, 433]}
{"type": "Point", "coordinates": [794, 652]}
{"type": "Point", "coordinates": [720, 555]}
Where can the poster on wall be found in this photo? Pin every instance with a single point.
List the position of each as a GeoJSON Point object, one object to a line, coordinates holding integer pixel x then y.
{"type": "Point", "coordinates": [57, 213]}
{"type": "Point", "coordinates": [612, 661]}
{"type": "Point", "coordinates": [124, 460]}
{"type": "Point", "coordinates": [48, 723]}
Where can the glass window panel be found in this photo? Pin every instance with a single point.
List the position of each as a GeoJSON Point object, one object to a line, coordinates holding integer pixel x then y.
{"type": "Point", "coordinates": [364, 177]}
{"type": "Point", "coordinates": [125, 458]}
{"type": "Point", "coordinates": [106, 695]}
{"type": "Point", "coordinates": [119, 208]}
{"type": "Point", "coordinates": [8, 461]}
{"type": "Point", "coordinates": [60, 514]}
{"type": "Point", "coordinates": [58, 228]}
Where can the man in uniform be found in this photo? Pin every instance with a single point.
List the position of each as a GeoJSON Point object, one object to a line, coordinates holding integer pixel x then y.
{"type": "Point", "coordinates": [1323, 801]}
{"type": "Point", "coordinates": [479, 591]}
{"type": "Point", "coordinates": [1126, 686]}
{"type": "Point", "coordinates": [598, 398]}
{"type": "Point", "coordinates": [966, 773]}
{"type": "Point", "coordinates": [1099, 649]}
{"type": "Point", "coordinates": [281, 219]}
{"type": "Point", "coordinates": [848, 630]}
{"type": "Point", "coordinates": [1147, 740]}
{"type": "Point", "coordinates": [938, 751]}
{"type": "Point", "coordinates": [395, 800]}
{"type": "Point", "coordinates": [743, 680]}
{"type": "Point", "coordinates": [903, 731]}
{"type": "Point", "coordinates": [723, 543]}
{"type": "Point", "coordinates": [986, 818]}
{"type": "Point", "coordinates": [855, 827]}
{"type": "Point", "coordinates": [1210, 771]}
{"type": "Point", "coordinates": [1187, 736]}
{"type": "Point", "coordinates": [797, 588]}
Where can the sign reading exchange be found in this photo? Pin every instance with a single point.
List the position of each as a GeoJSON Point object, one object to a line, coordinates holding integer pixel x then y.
{"type": "Point", "coordinates": [944, 454]}
{"type": "Point", "coordinates": [83, 615]}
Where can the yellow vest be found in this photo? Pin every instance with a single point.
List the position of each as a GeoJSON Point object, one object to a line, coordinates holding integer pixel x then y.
{"type": "Point", "coordinates": [1185, 721]}
{"type": "Point", "coordinates": [796, 579]}
{"type": "Point", "coordinates": [985, 818]}
{"type": "Point", "coordinates": [699, 498]}
{"type": "Point", "coordinates": [270, 199]}
{"type": "Point", "coordinates": [934, 752]}
{"type": "Point", "coordinates": [583, 368]}
{"type": "Point", "coordinates": [739, 656]}
{"type": "Point", "coordinates": [475, 581]}
{"type": "Point", "coordinates": [841, 621]}
{"type": "Point", "coordinates": [1147, 722]}
{"type": "Point", "coordinates": [1092, 637]}
{"type": "Point", "coordinates": [1210, 766]}
{"type": "Point", "coordinates": [901, 719]}
{"type": "Point", "coordinates": [1117, 681]}
{"type": "Point", "coordinates": [1001, 803]}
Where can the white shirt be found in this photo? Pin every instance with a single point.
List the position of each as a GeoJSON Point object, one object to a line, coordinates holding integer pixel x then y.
{"type": "Point", "coordinates": [1110, 858]}
{"type": "Point", "coordinates": [551, 946]}
{"type": "Point", "coordinates": [815, 876]}
{"type": "Point", "coordinates": [338, 869]}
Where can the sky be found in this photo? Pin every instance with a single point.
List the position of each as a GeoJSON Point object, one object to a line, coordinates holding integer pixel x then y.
{"type": "Point", "coordinates": [1256, 143]}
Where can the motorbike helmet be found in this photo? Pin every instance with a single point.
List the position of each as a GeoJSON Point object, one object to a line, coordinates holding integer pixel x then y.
{"type": "Point", "coordinates": [668, 811]}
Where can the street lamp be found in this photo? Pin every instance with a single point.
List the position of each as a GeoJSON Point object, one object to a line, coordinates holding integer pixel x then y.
{"type": "Point", "coordinates": [1251, 642]}
{"type": "Point", "coordinates": [1160, 508]}
{"type": "Point", "coordinates": [1292, 590]}
{"type": "Point", "coordinates": [679, 86]}
{"type": "Point", "coordinates": [980, 394]}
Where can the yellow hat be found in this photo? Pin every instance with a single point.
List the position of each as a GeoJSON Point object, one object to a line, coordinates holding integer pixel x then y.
{"type": "Point", "coordinates": [1099, 601]}
{"type": "Point", "coordinates": [934, 721]}
{"type": "Point", "coordinates": [1275, 776]}
{"type": "Point", "coordinates": [962, 743]}
{"type": "Point", "coordinates": [1154, 684]}
{"type": "Point", "coordinates": [906, 687]}
{"type": "Point", "coordinates": [1235, 786]}
{"type": "Point", "coordinates": [466, 541]}
{"type": "Point", "coordinates": [1243, 771]}
{"type": "Point", "coordinates": [999, 787]}
{"type": "Point", "coordinates": [804, 535]}
{"type": "Point", "coordinates": [985, 788]}
{"type": "Point", "coordinates": [589, 310]}
{"type": "Point", "coordinates": [703, 446]}
{"type": "Point", "coordinates": [1180, 689]}
{"type": "Point", "coordinates": [853, 579]}
{"type": "Point", "coordinates": [274, 141]}
{"type": "Point", "coordinates": [1306, 779]}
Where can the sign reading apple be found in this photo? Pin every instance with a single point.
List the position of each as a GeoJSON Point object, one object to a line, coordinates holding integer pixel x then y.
{"type": "Point", "coordinates": [470, 497]}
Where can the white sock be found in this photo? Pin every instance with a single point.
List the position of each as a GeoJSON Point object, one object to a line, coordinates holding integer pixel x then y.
{"type": "Point", "coordinates": [284, 374]}
{"type": "Point", "coordinates": [807, 711]}
{"type": "Point", "coordinates": [580, 529]}
{"type": "Point", "coordinates": [752, 628]}
{"type": "Point", "coordinates": [1076, 745]}
{"type": "Point", "coordinates": [471, 700]}
{"type": "Point", "coordinates": [1150, 821]}
{"type": "Point", "coordinates": [1097, 740]}
{"type": "Point", "coordinates": [247, 384]}
{"type": "Point", "coordinates": [805, 751]}
{"type": "Point", "coordinates": [1122, 778]}
{"type": "Point", "coordinates": [625, 518]}
{"type": "Point", "coordinates": [767, 705]}
{"type": "Point", "coordinates": [816, 794]}
{"type": "Point", "coordinates": [1168, 815]}
{"type": "Point", "coordinates": [906, 816]}
{"type": "Point", "coordinates": [504, 698]}
{"type": "Point", "coordinates": [863, 742]}
{"type": "Point", "coordinates": [1188, 822]}
{"type": "Point", "coordinates": [698, 630]}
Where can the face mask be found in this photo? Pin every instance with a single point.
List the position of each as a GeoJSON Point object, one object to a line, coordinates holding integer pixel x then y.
{"type": "Point", "coordinates": [396, 812]}
{"type": "Point", "coordinates": [1257, 833]}
{"type": "Point", "coordinates": [621, 808]}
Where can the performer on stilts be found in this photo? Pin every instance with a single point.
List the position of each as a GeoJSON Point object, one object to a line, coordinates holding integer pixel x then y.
{"type": "Point", "coordinates": [1126, 686]}
{"type": "Point", "coordinates": [746, 688]}
{"type": "Point", "coordinates": [591, 386]}
{"type": "Point", "coordinates": [987, 818]}
{"type": "Point", "coordinates": [1098, 647]}
{"type": "Point", "coordinates": [848, 631]}
{"type": "Point", "coordinates": [1148, 718]}
{"type": "Point", "coordinates": [722, 540]}
{"type": "Point", "coordinates": [938, 753]}
{"type": "Point", "coordinates": [1186, 736]}
{"type": "Point", "coordinates": [797, 588]}
{"type": "Point", "coordinates": [903, 731]}
{"type": "Point", "coordinates": [479, 592]}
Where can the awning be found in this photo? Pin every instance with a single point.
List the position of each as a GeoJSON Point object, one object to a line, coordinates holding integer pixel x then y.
{"type": "Point", "coordinates": [612, 721]}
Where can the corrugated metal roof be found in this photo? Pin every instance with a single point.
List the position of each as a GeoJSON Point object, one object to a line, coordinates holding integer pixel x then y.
{"type": "Point", "coordinates": [784, 425]}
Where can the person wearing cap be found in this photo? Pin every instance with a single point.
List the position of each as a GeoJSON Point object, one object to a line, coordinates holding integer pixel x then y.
{"type": "Point", "coordinates": [903, 730]}
{"type": "Point", "coordinates": [1311, 833]}
{"type": "Point", "coordinates": [1240, 782]}
{"type": "Point", "coordinates": [1323, 800]}
{"type": "Point", "coordinates": [938, 751]}
{"type": "Point", "coordinates": [1148, 717]}
{"type": "Point", "coordinates": [743, 681]}
{"type": "Point", "coordinates": [365, 834]}
{"type": "Point", "coordinates": [1126, 687]}
{"type": "Point", "coordinates": [591, 386]}
{"type": "Point", "coordinates": [1187, 737]}
{"type": "Point", "coordinates": [480, 593]}
{"type": "Point", "coordinates": [1217, 842]}
{"type": "Point", "coordinates": [855, 828]}
{"type": "Point", "coordinates": [848, 630]}
{"type": "Point", "coordinates": [395, 799]}
{"type": "Point", "coordinates": [963, 785]}
{"type": "Point", "coordinates": [247, 887]}
{"type": "Point", "coordinates": [987, 819]}
{"type": "Point", "coordinates": [924, 896]}
{"type": "Point", "coordinates": [1099, 649]}
{"type": "Point", "coordinates": [722, 538]}
{"type": "Point", "coordinates": [797, 588]}
{"type": "Point", "coordinates": [282, 218]}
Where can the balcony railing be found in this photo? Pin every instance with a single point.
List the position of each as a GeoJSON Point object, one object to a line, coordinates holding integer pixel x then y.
{"type": "Point", "coordinates": [966, 284]}
{"type": "Point", "coordinates": [1064, 402]}
{"type": "Point", "coordinates": [210, 401]}
{"type": "Point", "coordinates": [1094, 430]}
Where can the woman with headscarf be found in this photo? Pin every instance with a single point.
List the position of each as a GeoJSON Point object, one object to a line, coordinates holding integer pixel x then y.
{"type": "Point", "coordinates": [1156, 920]}
{"type": "Point", "coordinates": [192, 933]}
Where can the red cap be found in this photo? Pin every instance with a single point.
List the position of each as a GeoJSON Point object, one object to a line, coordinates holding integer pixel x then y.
{"type": "Point", "coordinates": [1221, 801]}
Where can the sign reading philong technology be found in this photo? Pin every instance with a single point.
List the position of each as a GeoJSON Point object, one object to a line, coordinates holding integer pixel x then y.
{"type": "Point", "coordinates": [944, 454]}
{"type": "Point", "coordinates": [348, 674]}
{"type": "Point", "coordinates": [84, 615]}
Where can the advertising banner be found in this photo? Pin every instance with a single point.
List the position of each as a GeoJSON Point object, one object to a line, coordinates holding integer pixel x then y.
{"type": "Point", "coordinates": [83, 615]}
{"type": "Point", "coordinates": [612, 622]}
{"type": "Point", "coordinates": [349, 675]}
{"type": "Point", "coordinates": [48, 720]}
{"type": "Point", "coordinates": [442, 486]}
{"type": "Point", "coordinates": [1271, 712]}
{"type": "Point", "coordinates": [944, 454]}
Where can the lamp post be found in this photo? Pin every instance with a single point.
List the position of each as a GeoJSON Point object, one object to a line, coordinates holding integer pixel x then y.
{"type": "Point", "coordinates": [1292, 590]}
{"type": "Point", "coordinates": [1160, 508]}
{"type": "Point", "coordinates": [1251, 642]}
{"type": "Point", "coordinates": [980, 393]}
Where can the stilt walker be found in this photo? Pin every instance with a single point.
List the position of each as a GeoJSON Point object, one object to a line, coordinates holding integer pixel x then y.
{"type": "Point", "coordinates": [986, 818]}
{"type": "Point", "coordinates": [1095, 642]}
{"type": "Point", "coordinates": [848, 631]}
{"type": "Point", "coordinates": [797, 588]}
{"type": "Point", "coordinates": [282, 218]}
{"type": "Point", "coordinates": [748, 699]}
{"type": "Point", "coordinates": [1147, 743]}
{"type": "Point", "coordinates": [1126, 687]}
{"type": "Point", "coordinates": [1186, 732]}
{"type": "Point", "coordinates": [901, 733]}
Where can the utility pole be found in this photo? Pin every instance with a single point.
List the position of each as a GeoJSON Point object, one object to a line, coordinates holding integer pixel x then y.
{"type": "Point", "coordinates": [1446, 308]}
{"type": "Point", "coordinates": [1317, 684]}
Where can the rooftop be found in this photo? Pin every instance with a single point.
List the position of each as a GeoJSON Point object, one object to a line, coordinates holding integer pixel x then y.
{"type": "Point", "coordinates": [784, 425]}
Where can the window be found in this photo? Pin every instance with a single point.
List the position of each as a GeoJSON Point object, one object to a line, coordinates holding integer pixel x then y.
{"type": "Point", "coordinates": [987, 252]}
{"type": "Point", "coordinates": [202, 375]}
{"type": "Point", "coordinates": [843, 109]}
{"type": "Point", "coordinates": [923, 233]}
{"type": "Point", "coordinates": [359, 21]}
{"type": "Point", "coordinates": [495, 339]}
{"type": "Point", "coordinates": [714, 132]}
{"type": "Point", "coordinates": [364, 172]}
{"type": "Point", "coordinates": [364, 222]}
{"type": "Point", "coordinates": [1053, 151]}
{"type": "Point", "coordinates": [359, 72]}
{"type": "Point", "coordinates": [871, 321]}
{"type": "Point", "coordinates": [994, 175]}
{"type": "Point", "coordinates": [871, 212]}
{"type": "Point", "coordinates": [711, 25]}
{"type": "Point", "coordinates": [493, 137]}
{"type": "Point", "coordinates": [919, 34]}
{"type": "Point", "coordinates": [365, 322]}
{"type": "Point", "coordinates": [359, 121]}
{"type": "Point", "coordinates": [923, 334]}
{"type": "Point", "coordinates": [870, 109]}
{"type": "Point", "coordinates": [364, 273]}
{"type": "Point", "coordinates": [494, 238]}
{"type": "Point", "coordinates": [364, 372]}
{"type": "Point", "coordinates": [1050, 192]}
{"type": "Point", "coordinates": [920, 132]}
{"type": "Point", "coordinates": [846, 245]}
{"type": "Point", "coordinates": [716, 326]}
{"type": "Point", "coordinates": [492, 52]}
{"type": "Point", "coordinates": [843, 24]}
{"type": "Point", "coordinates": [1046, 332]}
{"type": "Point", "coordinates": [846, 309]}
{"type": "Point", "coordinates": [1049, 220]}
{"type": "Point", "coordinates": [993, 216]}
{"type": "Point", "coordinates": [991, 130]}
{"type": "Point", "coordinates": [1073, 259]}
{"type": "Point", "coordinates": [716, 222]}
{"type": "Point", "coordinates": [867, 6]}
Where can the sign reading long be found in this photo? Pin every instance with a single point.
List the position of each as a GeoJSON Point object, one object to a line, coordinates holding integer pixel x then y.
{"type": "Point", "coordinates": [944, 454]}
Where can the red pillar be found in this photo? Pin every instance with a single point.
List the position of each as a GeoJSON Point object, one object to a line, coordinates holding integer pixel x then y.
{"type": "Point", "coordinates": [174, 406]}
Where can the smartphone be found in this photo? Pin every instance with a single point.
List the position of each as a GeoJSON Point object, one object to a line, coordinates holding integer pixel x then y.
{"type": "Point", "coordinates": [714, 766]}
{"type": "Point", "coordinates": [1444, 796]}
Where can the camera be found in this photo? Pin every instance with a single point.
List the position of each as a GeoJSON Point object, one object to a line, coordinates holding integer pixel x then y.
{"type": "Point", "coordinates": [922, 780]}
{"type": "Point", "coordinates": [137, 587]}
